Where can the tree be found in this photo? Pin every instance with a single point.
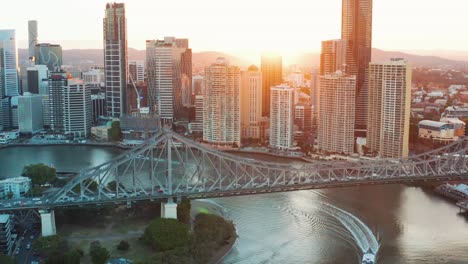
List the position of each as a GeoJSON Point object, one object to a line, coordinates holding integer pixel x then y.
{"type": "Point", "coordinates": [51, 245]}
{"type": "Point", "coordinates": [4, 259]}
{"type": "Point", "coordinates": [115, 133]}
{"type": "Point", "coordinates": [10, 195]}
{"type": "Point", "coordinates": [212, 228]}
{"type": "Point", "coordinates": [166, 234]}
{"type": "Point", "coordinates": [99, 254]}
{"type": "Point", "coordinates": [39, 173]}
{"type": "Point", "coordinates": [183, 211]}
{"type": "Point", "coordinates": [123, 245]}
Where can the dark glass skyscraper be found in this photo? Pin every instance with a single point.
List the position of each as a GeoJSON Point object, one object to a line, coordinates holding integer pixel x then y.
{"type": "Point", "coordinates": [115, 58]}
{"type": "Point", "coordinates": [356, 29]}
{"type": "Point", "coordinates": [272, 75]}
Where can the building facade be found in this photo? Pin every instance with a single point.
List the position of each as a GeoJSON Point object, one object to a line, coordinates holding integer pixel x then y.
{"type": "Point", "coordinates": [281, 117]}
{"type": "Point", "coordinates": [35, 77]}
{"type": "Point", "coordinates": [50, 55]}
{"type": "Point", "coordinates": [221, 104]}
{"type": "Point", "coordinates": [32, 38]}
{"type": "Point", "coordinates": [356, 29]}
{"type": "Point", "coordinates": [77, 109]}
{"type": "Point", "coordinates": [336, 115]}
{"type": "Point", "coordinates": [169, 68]}
{"type": "Point", "coordinates": [15, 187]}
{"type": "Point", "coordinates": [6, 241]}
{"type": "Point", "coordinates": [136, 70]}
{"type": "Point", "coordinates": [272, 74]}
{"type": "Point", "coordinates": [251, 102]}
{"type": "Point", "coordinates": [333, 56]}
{"type": "Point", "coordinates": [30, 113]}
{"type": "Point", "coordinates": [55, 101]}
{"type": "Point", "coordinates": [115, 59]}
{"type": "Point", "coordinates": [389, 108]}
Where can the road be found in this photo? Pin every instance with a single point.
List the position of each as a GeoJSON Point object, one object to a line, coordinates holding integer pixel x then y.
{"type": "Point", "coordinates": [26, 256]}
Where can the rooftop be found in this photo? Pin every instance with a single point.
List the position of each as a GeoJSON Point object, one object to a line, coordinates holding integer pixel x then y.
{"type": "Point", "coordinates": [4, 218]}
{"type": "Point", "coordinates": [432, 123]}
{"type": "Point", "coordinates": [20, 179]}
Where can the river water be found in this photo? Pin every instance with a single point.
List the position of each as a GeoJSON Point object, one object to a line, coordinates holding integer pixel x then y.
{"type": "Point", "coordinates": [413, 226]}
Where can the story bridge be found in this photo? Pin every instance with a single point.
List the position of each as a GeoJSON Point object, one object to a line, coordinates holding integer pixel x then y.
{"type": "Point", "coordinates": [170, 166]}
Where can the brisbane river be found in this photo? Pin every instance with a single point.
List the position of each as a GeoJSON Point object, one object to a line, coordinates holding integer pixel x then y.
{"type": "Point", "coordinates": [320, 226]}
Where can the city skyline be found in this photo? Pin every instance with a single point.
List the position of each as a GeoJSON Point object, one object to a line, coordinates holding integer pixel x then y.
{"type": "Point", "coordinates": [416, 28]}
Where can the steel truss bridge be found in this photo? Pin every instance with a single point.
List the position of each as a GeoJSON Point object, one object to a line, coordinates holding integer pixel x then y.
{"type": "Point", "coordinates": [170, 166]}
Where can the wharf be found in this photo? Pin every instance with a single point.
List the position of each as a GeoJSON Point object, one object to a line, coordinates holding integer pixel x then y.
{"type": "Point", "coordinates": [463, 205]}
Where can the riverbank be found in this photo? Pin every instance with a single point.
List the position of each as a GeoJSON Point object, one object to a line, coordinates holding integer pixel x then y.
{"type": "Point", "coordinates": [87, 144]}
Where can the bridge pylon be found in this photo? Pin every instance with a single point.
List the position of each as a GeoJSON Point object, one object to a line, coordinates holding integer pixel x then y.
{"type": "Point", "coordinates": [48, 222]}
{"type": "Point", "coordinates": [169, 209]}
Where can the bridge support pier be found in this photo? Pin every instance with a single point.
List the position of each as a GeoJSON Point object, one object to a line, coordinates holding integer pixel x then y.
{"type": "Point", "coordinates": [48, 223]}
{"type": "Point", "coordinates": [169, 209]}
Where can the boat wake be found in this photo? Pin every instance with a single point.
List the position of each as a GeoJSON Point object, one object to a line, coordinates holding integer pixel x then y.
{"type": "Point", "coordinates": [363, 236]}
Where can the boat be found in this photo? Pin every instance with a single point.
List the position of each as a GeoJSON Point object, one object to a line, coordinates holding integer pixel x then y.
{"type": "Point", "coordinates": [368, 257]}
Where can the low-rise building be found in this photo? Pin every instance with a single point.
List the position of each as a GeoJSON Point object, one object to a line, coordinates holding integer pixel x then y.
{"type": "Point", "coordinates": [100, 132]}
{"type": "Point", "coordinates": [17, 186]}
{"type": "Point", "coordinates": [458, 125]}
{"type": "Point", "coordinates": [436, 130]}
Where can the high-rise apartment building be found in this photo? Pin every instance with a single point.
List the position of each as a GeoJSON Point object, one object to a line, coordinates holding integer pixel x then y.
{"type": "Point", "coordinates": [32, 38]}
{"type": "Point", "coordinates": [9, 85]}
{"type": "Point", "coordinates": [6, 240]}
{"type": "Point", "coordinates": [169, 68]}
{"type": "Point", "coordinates": [77, 109]}
{"type": "Point", "coordinates": [50, 55]}
{"type": "Point", "coordinates": [336, 115]}
{"type": "Point", "coordinates": [115, 59]}
{"type": "Point", "coordinates": [251, 102]}
{"type": "Point", "coordinates": [281, 116]}
{"type": "Point", "coordinates": [221, 113]}
{"type": "Point", "coordinates": [272, 74]}
{"type": "Point", "coordinates": [389, 108]}
{"type": "Point", "coordinates": [356, 29]}
{"type": "Point", "coordinates": [57, 80]}
{"type": "Point", "coordinates": [333, 56]}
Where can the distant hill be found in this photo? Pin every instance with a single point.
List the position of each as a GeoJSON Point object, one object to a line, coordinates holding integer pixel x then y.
{"type": "Point", "coordinates": [201, 59]}
{"type": "Point", "coordinates": [313, 59]}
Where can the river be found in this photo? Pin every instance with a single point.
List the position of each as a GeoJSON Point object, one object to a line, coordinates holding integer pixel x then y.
{"type": "Point", "coordinates": [413, 226]}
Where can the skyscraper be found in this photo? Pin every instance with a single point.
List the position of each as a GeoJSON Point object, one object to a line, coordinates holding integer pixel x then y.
{"type": "Point", "coordinates": [272, 74]}
{"type": "Point", "coordinates": [115, 58]}
{"type": "Point", "coordinates": [35, 76]}
{"type": "Point", "coordinates": [333, 56]}
{"type": "Point", "coordinates": [57, 81]}
{"type": "Point", "coordinates": [281, 116]}
{"type": "Point", "coordinates": [221, 114]}
{"type": "Point", "coordinates": [389, 108]}
{"type": "Point", "coordinates": [8, 63]}
{"type": "Point", "coordinates": [136, 70]}
{"type": "Point", "coordinates": [251, 102]}
{"type": "Point", "coordinates": [77, 109]}
{"type": "Point", "coordinates": [336, 115]}
{"type": "Point", "coordinates": [30, 113]}
{"type": "Point", "coordinates": [50, 55]}
{"type": "Point", "coordinates": [32, 37]}
{"type": "Point", "coordinates": [169, 67]}
{"type": "Point", "coordinates": [356, 29]}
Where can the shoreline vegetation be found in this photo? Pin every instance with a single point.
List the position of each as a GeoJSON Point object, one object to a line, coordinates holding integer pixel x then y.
{"type": "Point", "coordinates": [209, 237]}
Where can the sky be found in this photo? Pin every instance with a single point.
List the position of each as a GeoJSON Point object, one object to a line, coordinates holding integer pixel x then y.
{"type": "Point", "coordinates": [243, 26]}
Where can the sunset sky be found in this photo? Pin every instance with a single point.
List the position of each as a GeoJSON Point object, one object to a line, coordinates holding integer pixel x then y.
{"type": "Point", "coordinates": [244, 26]}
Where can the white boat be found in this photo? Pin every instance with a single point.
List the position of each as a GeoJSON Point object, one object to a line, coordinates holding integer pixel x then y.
{"type": "Point", "coordinates": [368, 257]}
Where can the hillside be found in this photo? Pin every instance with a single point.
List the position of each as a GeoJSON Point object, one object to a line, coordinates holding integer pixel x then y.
{"type": "Point", "coordinates": [200, 59]}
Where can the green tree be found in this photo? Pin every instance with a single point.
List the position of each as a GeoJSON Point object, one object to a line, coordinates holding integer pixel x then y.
{"type": "Point", "coordinates": [115, 133]}
{"type": "Point", "coordinates": [166, 234]}
{"type": "Point", "coordinates": [10, 195]}
{"type": "Point", "coordinates": [99, 254]}
{"type": "Point", "coordinates": [51, 245]}
{"type": "Point", "coordinates": [112, 186]}
{"type": "Point", "coordinates": [212, 228]}
{"type": "Point", "coordinates": [4, 259]}
{"type": "Point", "coordinates": [123, 245]}
{"type": "Point", "coordinates": [39, 173]}
{"type": "Point", "coordinates": [183, 211]}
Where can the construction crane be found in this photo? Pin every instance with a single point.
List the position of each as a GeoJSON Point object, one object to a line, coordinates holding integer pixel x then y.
{"type": "Point", "coordinates": [136, 91]}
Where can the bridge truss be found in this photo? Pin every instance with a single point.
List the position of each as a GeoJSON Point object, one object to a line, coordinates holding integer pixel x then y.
{"type": "Point", "coordinates": [170, 165]}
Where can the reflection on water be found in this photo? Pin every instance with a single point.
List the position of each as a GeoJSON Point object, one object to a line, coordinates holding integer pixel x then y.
{"type": "Point", "coordinates": [413, 226]}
